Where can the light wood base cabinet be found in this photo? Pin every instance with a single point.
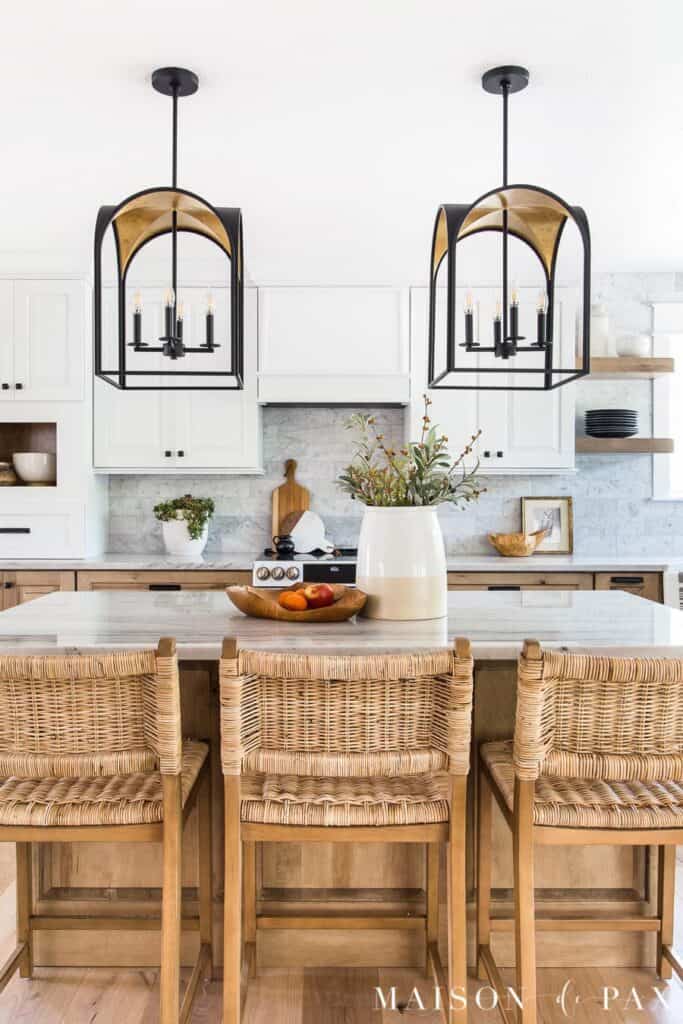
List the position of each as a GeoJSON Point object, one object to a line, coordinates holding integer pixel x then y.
{"type": "Point", "coordinates": [200, 579]}
{"type": "Point", "coordinates": [19, 587]}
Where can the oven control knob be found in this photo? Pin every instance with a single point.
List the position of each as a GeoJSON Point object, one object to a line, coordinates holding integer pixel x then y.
{"type": "Point", "coordinates": [277, 573]}
{"type": "Point", "coordinates": [293, 573]}
{"type": "Point", "coordinates": [262, 573]}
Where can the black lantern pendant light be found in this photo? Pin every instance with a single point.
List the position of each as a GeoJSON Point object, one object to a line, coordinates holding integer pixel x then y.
{"type": "Point", "coordinates": [536, 217]}
{"type": "Point", "coordinates": [136, 221]}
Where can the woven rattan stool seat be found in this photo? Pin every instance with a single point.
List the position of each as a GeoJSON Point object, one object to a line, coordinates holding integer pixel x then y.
{"type": "Point", "coordinates": [385, 800]}
{"type": "Point", "coordinates": [133, 799]}
{"type": "Point", "coordinates": [590, 803]}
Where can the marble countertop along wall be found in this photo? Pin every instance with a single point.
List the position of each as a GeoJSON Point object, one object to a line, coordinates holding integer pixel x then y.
{"type": "Point", "coordinates": [497, 624]}
{"type": "Point", "coordinates": [242, 561]}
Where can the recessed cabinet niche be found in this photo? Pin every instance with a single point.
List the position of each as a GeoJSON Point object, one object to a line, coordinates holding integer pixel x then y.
{"type": "Point", "coordinates": [27, 437]}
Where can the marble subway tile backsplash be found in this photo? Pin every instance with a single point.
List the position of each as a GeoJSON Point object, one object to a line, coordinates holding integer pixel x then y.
{"type": "Point", "coordinates": [613, 510]}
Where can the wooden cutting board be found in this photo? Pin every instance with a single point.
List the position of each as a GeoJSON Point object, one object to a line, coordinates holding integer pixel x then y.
{"type": "Point", "coordinates": [289, 497]}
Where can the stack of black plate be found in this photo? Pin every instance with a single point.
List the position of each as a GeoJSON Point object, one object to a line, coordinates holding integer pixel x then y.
{"type": "Point", "coordinates": [611, 422]}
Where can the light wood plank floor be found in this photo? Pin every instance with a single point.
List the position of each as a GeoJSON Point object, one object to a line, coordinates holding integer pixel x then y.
{"type": "Point", "coordinates": [308, 996]}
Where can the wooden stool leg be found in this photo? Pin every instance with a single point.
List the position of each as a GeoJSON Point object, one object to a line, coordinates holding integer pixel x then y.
{"type": "Point", "coordinates": [432, 853]}
{"type": "Point", "coordinates": [25, 906]}
{"type": "Point", "coordinates": [457, 901]}
{"type": "Point", "coordinates": [249, 904]}
{"type": "Point", "coordinates": [171, 901]}
{"type": "Point", "coordinates": [232, 958]}
{"type": "Point", "coordinates": [525, 935]}
{"type": "Point", "coordinates": [665, 906]}
{"type": "Point", "coordinates": [484, 805]}
{"type": "Point", "coordinates": [205, 867]}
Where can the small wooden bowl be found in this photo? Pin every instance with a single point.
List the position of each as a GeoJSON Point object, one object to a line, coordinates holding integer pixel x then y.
{"type": "Point", "coordinates": [517, 545]}
{"type": "Point", "coordinates": [262, 604]}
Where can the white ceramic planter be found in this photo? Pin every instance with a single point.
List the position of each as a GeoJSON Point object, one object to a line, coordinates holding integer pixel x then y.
{"type": "Point", "coordinates": [177, 540]}
{"type": "Point", "coordinates": [402, 563]}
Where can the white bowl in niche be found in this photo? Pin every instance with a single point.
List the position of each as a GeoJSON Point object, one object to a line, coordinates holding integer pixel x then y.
{"type": "Point", "coordinates": [35, 467]}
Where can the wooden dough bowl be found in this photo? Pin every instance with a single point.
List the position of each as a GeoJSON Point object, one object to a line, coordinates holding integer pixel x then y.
{"type": "Point", "coordinates": [262, 604]}
{"type": "Point", "coordinates": [517, 545]}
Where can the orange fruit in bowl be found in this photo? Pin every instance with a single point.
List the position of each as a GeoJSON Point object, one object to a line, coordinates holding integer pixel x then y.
{"type": "Point", "coordinates": [293, 601]}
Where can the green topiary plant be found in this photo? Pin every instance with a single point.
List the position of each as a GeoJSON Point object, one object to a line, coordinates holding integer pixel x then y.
{"type": "Point", "coordinates": [195, 511]}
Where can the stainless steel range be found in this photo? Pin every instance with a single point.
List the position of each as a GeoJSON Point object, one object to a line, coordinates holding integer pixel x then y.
{"type": "Point", "coordinates": [338, 567]}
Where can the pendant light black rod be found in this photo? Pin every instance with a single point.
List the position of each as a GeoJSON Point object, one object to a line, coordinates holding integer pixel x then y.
{"type": "Point", "coordinates": [174, 216]}
{"type": "Point", "coordinates": [505, 86]}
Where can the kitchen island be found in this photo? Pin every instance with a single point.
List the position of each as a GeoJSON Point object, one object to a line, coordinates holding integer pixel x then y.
{"type": "Point", "coordinates": [105, 882]}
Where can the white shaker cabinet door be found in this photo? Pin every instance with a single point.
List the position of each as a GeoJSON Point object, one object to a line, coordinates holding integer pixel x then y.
{"type": "Point", "coordinates": [130, 429]}
{"type": "Point", "coordinates": [6, 341]}
{"type": "Point", "coordinates": [328, 345]}
{"type": "Point", "coordinates": [521, 431]}
{"type": "Point", "coordinates": [49, 340]}
{"type": "Point", "coordinates": [530, 430]}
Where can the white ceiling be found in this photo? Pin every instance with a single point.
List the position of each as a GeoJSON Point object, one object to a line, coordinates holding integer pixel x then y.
{"type": "Point", "coordinates": [339, 128]}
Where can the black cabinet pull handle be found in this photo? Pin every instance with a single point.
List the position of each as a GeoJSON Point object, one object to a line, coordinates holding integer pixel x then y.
{"type": "Point", "coordinates": [167, 453]}
{"type": "Point", "coordinates": [15, 529]}
{"type": "Point", "coordinates": [503, 586]}
{"type": "Point", "coordinates": [5, 386]}
{"type": "Point", "coordinates": [627, 580]}
{"type": "Point", "coordinates": [164, 586]}
{"type": "Point", "coordinates": [180, 453]}
{"type": "Point", "coordinates": [18, 386]}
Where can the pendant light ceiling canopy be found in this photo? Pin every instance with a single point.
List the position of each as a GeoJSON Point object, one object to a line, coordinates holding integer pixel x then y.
{"type": "Point", "coordinates": [138, 220]}
{"type": "Point", "coordinates": [547, 356]}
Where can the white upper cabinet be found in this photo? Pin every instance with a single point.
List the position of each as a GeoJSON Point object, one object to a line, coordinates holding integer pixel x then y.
{"type": "Point", "coordinates": [180, 431]}
{"type": "Point", "coordinates": [334, 345]}
{"type": "Point", "coordinates": [43, 333]}
{"type": "Point", "coordinates": [521, 431]}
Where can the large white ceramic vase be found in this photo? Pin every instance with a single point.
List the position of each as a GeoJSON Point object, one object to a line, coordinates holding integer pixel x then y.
{"type": "Point", "coordinates": [402, 563]}
{"type": "Point", "coordinates": [177, 540]}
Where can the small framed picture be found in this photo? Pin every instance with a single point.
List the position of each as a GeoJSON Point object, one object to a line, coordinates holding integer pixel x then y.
{"type": "Point", "coordinates": [554, 515]}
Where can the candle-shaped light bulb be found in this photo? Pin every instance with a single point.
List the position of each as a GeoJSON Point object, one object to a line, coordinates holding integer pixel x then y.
{"type": "Point", "coordinates": [210, 303]}
{"type": "Point", "coordinates": [169, 302]}
{"type": "Point", "coordinates": [514, 298]}
{"type": "Point", "coordinates": [469, 319]}
{"type": "Point", "coordinates": [180, 313]}
{"type": "Point", "coordinates": [497, 314]}
{"type": "Point", "coordinates": [542, 302]}
{"type": "Point", "coordinates": [137, 302]}
{"type": "Point", "coordinates": [169, 297]}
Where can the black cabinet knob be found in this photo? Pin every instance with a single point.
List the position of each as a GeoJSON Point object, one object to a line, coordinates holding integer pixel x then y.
{"type": "Point", "coordinates": [7, 585]}
{"type": "Point", "coordinates": [19, 386]}
{"type": "Point", "coordinates": [180, 454]}
{"type": "Point", "coordinates": [487, 455]}
{"type": "Point", "coordinates": [5, 386]}
{"type": "Point", "coordinates": [499, 455]}
{"type": "Point", "coordinates": [168, 453]}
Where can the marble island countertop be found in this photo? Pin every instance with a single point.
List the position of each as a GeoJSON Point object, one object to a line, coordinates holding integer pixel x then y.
{"type": "Point", "coordinates": [496, 622]}
{"type": "Point", "coordinates": [242, 561]}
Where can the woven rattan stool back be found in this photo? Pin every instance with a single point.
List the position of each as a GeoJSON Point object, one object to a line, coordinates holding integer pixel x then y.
{"type": "Point", "coordinates": [303, 714]}
{"type": "Point", "coordinates": [90, 715]}
{"type": "Point", "coordinates": [583, 716]}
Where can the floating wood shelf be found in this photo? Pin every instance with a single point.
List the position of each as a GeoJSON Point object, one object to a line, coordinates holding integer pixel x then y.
{"type": "Point", "coordinates": [628, 445]}
{"type": "Point", "coordinates": [630, 367]}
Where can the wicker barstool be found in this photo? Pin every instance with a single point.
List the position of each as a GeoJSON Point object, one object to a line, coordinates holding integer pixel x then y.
{"type": "Point", "coordinates": [91, 751]}
{"type": "Point", "coordinates": [344, 749]}
{"type": "Point", "coordinates": [597, 757]}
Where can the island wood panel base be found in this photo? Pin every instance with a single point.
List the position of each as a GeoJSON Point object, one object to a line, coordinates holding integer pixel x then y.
{"type": "Point", "coordinates": [369, 880]}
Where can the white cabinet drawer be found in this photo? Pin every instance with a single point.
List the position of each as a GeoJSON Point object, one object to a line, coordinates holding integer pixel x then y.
{"type": "Point", "coordinates": [33, 534]}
